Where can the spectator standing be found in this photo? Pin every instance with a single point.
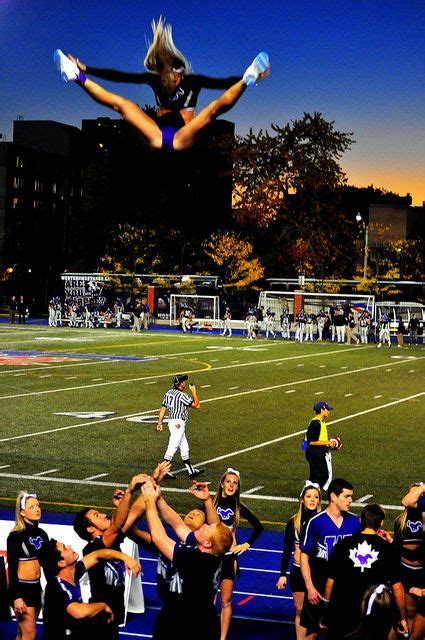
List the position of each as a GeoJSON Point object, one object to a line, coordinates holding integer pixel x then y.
{"type": "Point", "coordinates": [401, 330]}
{"type": "Point", "coordinates": [22, 310]}
{"type": "Point", "coordinates": [412, 328]}
{"type": "Point", "coordinates": [145, 313]}
{"type": "Point", "coordinates": [13, 306]}
{"type": "Point", "coordinates": [351, 329]}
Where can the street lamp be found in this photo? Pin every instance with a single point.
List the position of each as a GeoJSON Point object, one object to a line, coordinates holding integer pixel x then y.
{"type": "Point", "coordinates": [366, 242]}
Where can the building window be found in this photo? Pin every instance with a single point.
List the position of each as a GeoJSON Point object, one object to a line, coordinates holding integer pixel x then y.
{"type": "Point", "coordinates": [20, 162]}
{"type": "Point", "coordinates": [37, 205]}
{"type": "Point", "coordinates": [18, 182]}
{"type": "Point", "coordinates": [17, 203]}
{"type": "Point", "coordinates": [38, 186]}
{"type": "Point", "coordinates": [54, 187]}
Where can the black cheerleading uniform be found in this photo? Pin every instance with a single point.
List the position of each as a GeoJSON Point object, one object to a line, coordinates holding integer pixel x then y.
{"type": "Point", "coordinates": [23, 546]}
{"type": "Point", "coordinates": [226, 509]}
{"type": "Point", "coordinates": [292, 537]}
{"type": "Point", "coordinates": [107, 582]}
{"type": "Point", "coordinates": [413, 559]}
{"type": "Point", "coordinates": [189, 612]}
{"type": "Point", "coordinates": [184, 96]}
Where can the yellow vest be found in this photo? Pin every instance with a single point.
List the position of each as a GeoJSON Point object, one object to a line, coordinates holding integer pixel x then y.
{"type": "Point", "coordinates": [323, 435]}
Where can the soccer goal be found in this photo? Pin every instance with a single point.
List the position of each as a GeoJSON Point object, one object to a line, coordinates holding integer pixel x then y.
{"type": "Point", "coordinates": [294, 301]}
{"type": "Point", "coordinates": [205, 309]}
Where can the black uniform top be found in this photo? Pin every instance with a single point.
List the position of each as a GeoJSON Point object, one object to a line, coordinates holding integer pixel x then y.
{"type": "Point", "coordinates": [413, 324]}
{"type": "Point", "coordinates": [28, 544]}
{"type": "Point", "coordinates": [107, 578]}
{"type": "Point", "coordinates": [292, 537]}
{"type": "Point", "coordinates": [185, 96]}
{"type": "Point", "coordinates": [226, 509]}
{"type": "Point", "coordinates": [199, 572]}
{"type": "Point", "coordinates": [168, 579]}
{"type": "Point", "coordinates": [317, 431]}
{"type": "Point", "coordinates": [355, 564]}
{"type": "Point", "coordinates": [59, 594]}
{"type": "Point", "coordinates": [412, 534]}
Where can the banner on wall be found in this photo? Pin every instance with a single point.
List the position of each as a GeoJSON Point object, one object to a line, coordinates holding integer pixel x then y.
{"type": "Point", "coordinates": [84, 290]}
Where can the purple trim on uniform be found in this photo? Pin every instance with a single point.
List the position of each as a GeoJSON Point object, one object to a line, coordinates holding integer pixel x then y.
{"type": "Point", "coordinates": [168, 134]}
{"type": "Point", "coordinates": [81, 78]}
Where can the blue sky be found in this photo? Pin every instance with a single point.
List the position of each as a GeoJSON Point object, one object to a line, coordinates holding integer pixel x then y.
{"type": "Point", "coordinates": [361, 64]}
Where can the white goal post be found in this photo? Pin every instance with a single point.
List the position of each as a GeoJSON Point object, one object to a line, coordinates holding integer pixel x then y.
{"type": "Point", "coordinates": [205, 309]}
{"type": "Point", "coordinates": [293, 301]}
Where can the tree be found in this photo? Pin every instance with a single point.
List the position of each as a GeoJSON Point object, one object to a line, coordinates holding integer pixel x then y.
{"type": "Point", "coordinates": [287, 189]}
{"type": "Point", "coordinates": [233, 259]}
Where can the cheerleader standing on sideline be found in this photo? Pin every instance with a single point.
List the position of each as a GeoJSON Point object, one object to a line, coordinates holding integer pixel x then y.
{"type": "Point", "coordinates": [309, 506]}
{"type": "Point", "coordinates": [26, 547]}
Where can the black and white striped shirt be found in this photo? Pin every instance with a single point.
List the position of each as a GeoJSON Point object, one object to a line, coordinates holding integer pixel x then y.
{"type": "Point", "coordinates": [177, 403]}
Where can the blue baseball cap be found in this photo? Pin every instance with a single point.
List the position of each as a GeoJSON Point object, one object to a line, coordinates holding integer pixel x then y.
{"type": "Point", "coordinates": [322, 405]}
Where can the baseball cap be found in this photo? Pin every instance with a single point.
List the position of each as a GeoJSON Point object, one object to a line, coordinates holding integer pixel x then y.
{"type": "Point", "coordinates": [178, 379]}
{"type": "Point", "coordinates": [322, 405]}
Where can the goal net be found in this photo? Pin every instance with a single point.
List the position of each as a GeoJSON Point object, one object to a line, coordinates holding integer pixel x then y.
{"type": "Point", "coordinates": [205, 309]}
{"type": "Point", "coordinates": [293, 301]}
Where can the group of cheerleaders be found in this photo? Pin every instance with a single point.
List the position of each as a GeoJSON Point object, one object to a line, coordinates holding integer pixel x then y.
{"type": "Point", "coordinates": [25, 561]}
{"type": "Point", "coordinates": [176, 90]}
{"type": "Point", "coordinates": [25, 571]}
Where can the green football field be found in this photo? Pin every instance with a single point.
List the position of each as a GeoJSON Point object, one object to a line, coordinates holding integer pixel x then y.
{"type": "Point", "coordinates": [256, 401]}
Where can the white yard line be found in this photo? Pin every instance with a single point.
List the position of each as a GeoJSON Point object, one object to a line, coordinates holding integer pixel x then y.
{"type": "Point", "coordinates": [230, 395]}
{"type": "Point", "coordinates": [364, 498]}
{"type": "Point", "coordinates": [44, 473]}
{"type": "Point", "coordinates": [99, 483]}
{"type": "Point", "coordinates": [253, 490]}
{"type": "Point", "coordinates": [167, 375]}
{"type": "Point", "coordinates": [109, 359]}
{"type": "Point", "coordinates": [99, 475]}
{"type": "Point", "coordinates": [298, 433]}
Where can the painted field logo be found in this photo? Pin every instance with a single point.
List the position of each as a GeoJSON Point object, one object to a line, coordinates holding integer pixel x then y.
{"type": "Point", "coordinates": [26, 360]}
{"type": "Point", "coordinates": [146, 419]}
{"type": "Point", "coordinates": [86, 414]}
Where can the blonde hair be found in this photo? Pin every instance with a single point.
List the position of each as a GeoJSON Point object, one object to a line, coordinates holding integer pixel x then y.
{"type": "Point", "coordinates": [236, 495]}
{"type": "Point", "coordinates": [298, 516]}
{"type": "Point", "coordinates": [221, 539]}
{"type": "Point", "coordinates": [19, 519]}
{"type": "Point", "coordinates": [163, 56]}
{"type": "Point", "coordinates": [401, 519]}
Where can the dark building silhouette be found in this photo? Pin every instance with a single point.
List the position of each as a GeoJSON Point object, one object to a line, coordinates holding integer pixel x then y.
{"type": "Point", "coordinates": [63, 192]}
{"type": "Point", "coordinates": [392, 222]}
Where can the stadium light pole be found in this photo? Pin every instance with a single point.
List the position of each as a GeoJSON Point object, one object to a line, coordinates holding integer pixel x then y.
{"type": "Point", "coordinates": [366, 242]}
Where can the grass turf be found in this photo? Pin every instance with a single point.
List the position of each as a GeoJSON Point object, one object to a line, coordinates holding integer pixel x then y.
{"type": "Point", "coordinates": [252, 393]}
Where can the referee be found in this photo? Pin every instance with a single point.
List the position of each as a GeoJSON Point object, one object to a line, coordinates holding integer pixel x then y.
{"type": "Point", "coordinates": [177, 403]}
